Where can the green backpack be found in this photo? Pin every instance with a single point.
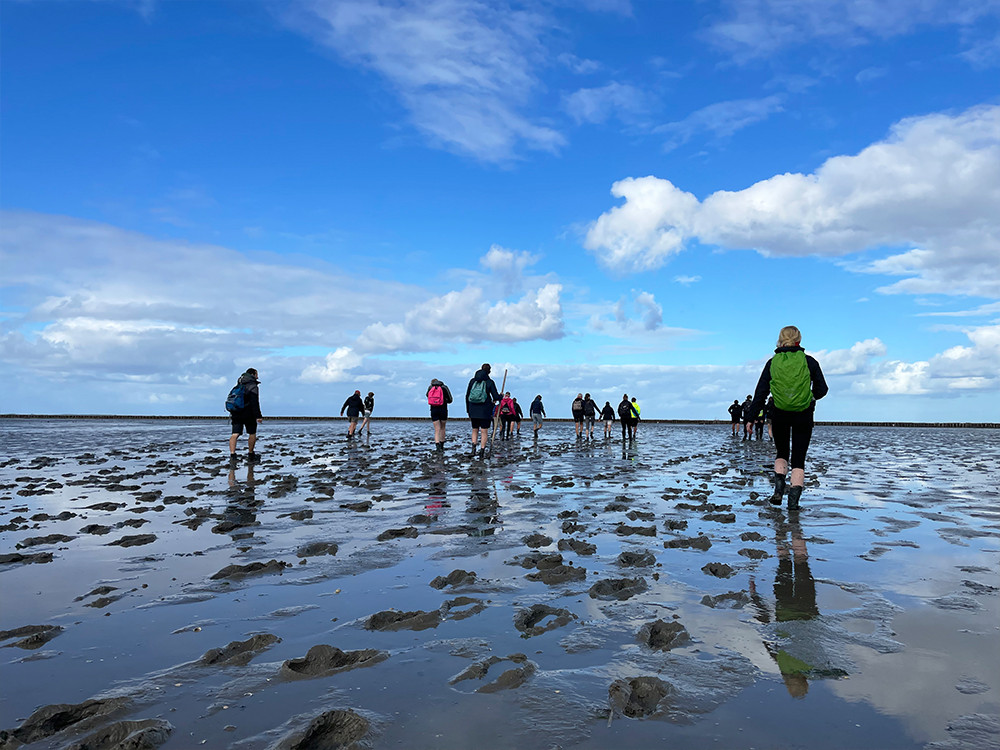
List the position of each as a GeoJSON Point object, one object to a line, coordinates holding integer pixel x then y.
{"type": "Point", "coordinates": [478, 394]}
{"type": "Point", "coordinates": [790, 381]}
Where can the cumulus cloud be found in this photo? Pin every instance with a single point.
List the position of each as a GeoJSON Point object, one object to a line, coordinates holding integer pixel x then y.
{"type": "Point", "coordinates": [336, 367]}
{"type": "Point", "coordinates": [463, 69]}
{"type": "Point", "coordinates": [758, 28]}
{"type": "Point", "coordinates": [930, 189]}
{"type": "Point", "coordinates": [721, 119]}
{"type": "Point", "coordinates": [508, 266]}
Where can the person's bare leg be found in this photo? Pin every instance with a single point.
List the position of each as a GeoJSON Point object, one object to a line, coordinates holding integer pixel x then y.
{"type": "Point", "coordinates": [798, 477]}
{"type": "Point", "coordinates": [232, 443]}
{"type": "Point", "coordinates": [780, 466]}
{"type": "Point", "coordinates": [251, 442]}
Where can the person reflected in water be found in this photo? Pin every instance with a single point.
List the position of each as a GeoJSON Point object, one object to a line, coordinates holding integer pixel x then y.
{"type": "Point", "coordinates": [484, 505]}
{"type": "Point", "coordinates": [794, 600]}
{"type": "Point", "coordinates": [241, 510]}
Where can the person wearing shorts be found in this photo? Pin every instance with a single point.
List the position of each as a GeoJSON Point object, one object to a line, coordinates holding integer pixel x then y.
{"type": "Point", "coordinates": [481, 412]}
{"type": "Point", "coordinates": [589, 415]}
{"type": "Point", "coordinates": [518, 415]}
{"type": "Point", "coordinates": [577, 409]}
{"type": "Point", "coordinates": [439, 411]}
{"type": "Point", "coordinates": [608, 415]}
{"type": "Point", "coordinates": [354, 406]}
{"type": "Point", "coordinates": [369, 403]}
{"type": "Point", "coordinates": [537, 412]}
{"type": "Point", "coordinates": [248, 417]}
{"type": "Point", "coordinates": [735, 414]}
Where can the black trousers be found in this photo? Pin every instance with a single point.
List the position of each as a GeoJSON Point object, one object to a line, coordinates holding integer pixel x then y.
{"type": "Point", "coordinates": [794, 427]}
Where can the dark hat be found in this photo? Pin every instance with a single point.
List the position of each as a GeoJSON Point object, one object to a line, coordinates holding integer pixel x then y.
{"type": "Point", "coordinates": [486, 367]}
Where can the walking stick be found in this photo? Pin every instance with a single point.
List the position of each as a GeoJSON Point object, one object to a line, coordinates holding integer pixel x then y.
{"type": "Point", "coordinates": [496, 417]}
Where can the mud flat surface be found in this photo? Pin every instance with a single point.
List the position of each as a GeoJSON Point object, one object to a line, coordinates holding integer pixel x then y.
{"type": "Point", "coordinates": [561, 594]}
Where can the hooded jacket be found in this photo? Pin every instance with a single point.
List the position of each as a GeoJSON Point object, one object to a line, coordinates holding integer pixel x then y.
{"type": "Point", "coordinates": [447, 391]}
{"type": "Point", "coordinates": [251, 396]}
{"type": "Point", "coordinates": [485, 409]}
{"type": "Point", "coordinates": [353, 404]}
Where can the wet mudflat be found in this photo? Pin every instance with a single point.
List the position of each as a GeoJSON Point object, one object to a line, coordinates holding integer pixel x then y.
{"type": "Point", "coordinates": [560, 594]}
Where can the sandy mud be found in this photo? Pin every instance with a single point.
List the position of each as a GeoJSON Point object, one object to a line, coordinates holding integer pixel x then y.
{"type": "Point", "coordinates": [573, 594]}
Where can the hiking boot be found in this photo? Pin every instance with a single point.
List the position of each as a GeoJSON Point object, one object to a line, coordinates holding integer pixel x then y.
{"type": "Point", "coordinates": [779, 488]}
{"type": "Point", "coordinates": [232, 459]}
{"type": "Point", "coordinates": [253, 457]}
{"type": "Point", "coordinates": [794, 493]}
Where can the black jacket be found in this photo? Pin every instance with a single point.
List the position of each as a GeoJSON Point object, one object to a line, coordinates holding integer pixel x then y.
{"type": "Point", "coordinates": [819, 386]}
{"type": "Point", "coordinates": [484, 410]}
{"type": "Point", "coordinates": [354, 405]}
{"type": "Point", "coordinates": [251, 397]}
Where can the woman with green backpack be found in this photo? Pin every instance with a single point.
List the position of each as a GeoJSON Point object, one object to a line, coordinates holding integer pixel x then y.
{"type": "Point", "coordinates": [480, 396]}
{"type": "Point", "coordinates": [795, 381]}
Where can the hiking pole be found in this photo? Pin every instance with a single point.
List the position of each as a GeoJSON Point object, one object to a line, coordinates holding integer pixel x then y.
{"type": "Point", "coordinates": [496, 417]}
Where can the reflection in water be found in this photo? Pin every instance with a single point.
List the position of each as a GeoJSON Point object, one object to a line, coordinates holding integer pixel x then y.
{"type": "Point", "coordinates": [241, 510]}
{"type": "Point", "coordinates": [794, 601]}
{"type": "Point", "coordinates": [484, 503]}
{"type": "Point", "coordinates": [437, 500]}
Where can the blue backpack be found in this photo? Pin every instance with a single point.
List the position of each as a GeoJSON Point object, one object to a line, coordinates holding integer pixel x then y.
{"type": "Point", "coordinates": [478, 394]}
{"type": "Point", "coordinates": [237, 398]}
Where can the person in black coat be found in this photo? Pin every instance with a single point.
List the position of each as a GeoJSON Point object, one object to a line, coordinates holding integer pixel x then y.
{"type": "Point", "coordinates": [354, 405]}
{"type": "Point", "coordinates": [480, 397]}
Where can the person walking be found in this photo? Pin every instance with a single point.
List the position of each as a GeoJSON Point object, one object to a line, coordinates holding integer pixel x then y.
{"type": "Point", "coordinates": [625, 415]}
{"type": "Point", "coordinates": [796, 382]}
{"type": "Point", "coordinates": [747, 417]}
{"type": "Point", "coordinates": [537, 412]}
{"type": "Point", "coordinates": [608, 415]}
{"type": "Point", "coordinates": [576, 408]}
{"type": "Point", "coordinates": [735, 414]}
{"type": "Point", "coordinates": [354, 406]}
{"type": "Point", "coordinates": [438, 398]}
{"type": "Point", "coordinates": [518, 415]}
{"type": "Point", "coordinates": [635, 417]}
{"type": "Point", "coordinates": [243, 405]}
{"type": "Point", "coordinates": [369, 403]}
{"type": "Point", "coordinates": [506, 416]}
{"type": "Point", "coordinates": [589, 415]}
{"type": "Point", "coordinates": [480, 396]}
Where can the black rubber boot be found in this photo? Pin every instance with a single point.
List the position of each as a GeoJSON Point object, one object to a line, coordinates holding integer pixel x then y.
{"type": "Point", "coordinates": [779, 489]}
{"type": "Point", "coordinates": [794, 493]}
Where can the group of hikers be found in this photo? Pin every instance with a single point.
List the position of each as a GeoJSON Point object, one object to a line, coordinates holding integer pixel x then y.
{"type": "Point", "coordinates": [785, 398]}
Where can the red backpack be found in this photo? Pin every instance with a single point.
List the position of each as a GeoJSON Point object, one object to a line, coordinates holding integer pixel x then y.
{"type": "Point", "coordinates": [435, 397]}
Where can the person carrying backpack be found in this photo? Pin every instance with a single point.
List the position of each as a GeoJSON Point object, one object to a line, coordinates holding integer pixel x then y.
{"type": "Point", "coordinates": [369, 403]}
{"type": "Point", "coordinates": [507, 412]}
{"type": "Point", "coordinates": [438, 398]}
{"type": "Point", "coordinates": [480, 396]}
{"type": "Point", "coordinates": [796, 382]}
{"type": "Point", "coordinates": [518, 415]}
{"type": "Point", "coordinates": [243, 405]}
{"type": "Point", "coordinates": [589, 414]}
{"type": "Point", "coordinates": [625, 415]}
{"type": "Point", "coordinates": [577, 409]}
{"type": "Point", "coordinates": [748, 417]}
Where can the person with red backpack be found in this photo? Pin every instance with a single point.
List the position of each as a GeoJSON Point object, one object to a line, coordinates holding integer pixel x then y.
{"type": "Point", "coordinates": [438, 397]}
{"type": "Point", "coordinates": [507, 412]}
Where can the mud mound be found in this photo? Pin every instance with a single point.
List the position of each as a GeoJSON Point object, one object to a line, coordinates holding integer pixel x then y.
{"type": "Point", "coordinates": [639, 696]}
{"type": "Point", "coordinates": [49, 720]}
{"type": "Point", "coordinates": [701, 542]}
{"type": "Point", "coordinates": [408, 532]}
{"type": "Point", "coordinates": [509, 679]}
{"type": "Point", "coordinates": [636, 559]}
{"type": "Point", "coordinates": [315, 549]}
{"type": "Point", "coordinates": [144, 734]}
{"type": "Point", "coordinates": [17, 557]}
{"type": "Point", "coordinates": [456, 577]}
{"type": "Point", "coordinates": [253, 569]}
{"type": "Point", "coordinates": [34, 541]}
{"type": "Point", "coordinates": [31, 636]}
{"type": "Point", "coordinates": [618, 588]}
{"type": "Point", "coordinates": [528, 620]}
{"type": "Point", "coordinates": [729, 600]}
{"type": "Point", "coordinates": [578, 546]}
{"type": "Point", "coordinates": [134, 540]}
{"type": "Point", "coordinates": [328, 731]}
{"type": "Point", "coordinates": [390, 619]}
{"type": "Point", "coordinates": [626, 530]}
{"type": "Point", "coordinates": [239, 653]}
{"type": "Point", "coordinates": [558, 574]}
{"type": "Point", "coordinates": [326, 660]}
{"type": "Point", "coordinates": [718, 569]}
{"type": "Point", "coordinates": [537, 540]}
{"type": "Point", "coordinates": [664, 636]}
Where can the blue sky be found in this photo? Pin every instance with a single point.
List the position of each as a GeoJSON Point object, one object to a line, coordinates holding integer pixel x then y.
{"type": "Point", "coordinates": [599, 196]}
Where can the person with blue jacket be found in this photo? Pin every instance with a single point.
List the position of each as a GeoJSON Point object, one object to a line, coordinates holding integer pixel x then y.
{"type": "Point", "coordinates": [796, 382]}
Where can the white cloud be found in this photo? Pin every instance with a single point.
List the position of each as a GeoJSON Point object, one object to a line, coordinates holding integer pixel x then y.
{"type": "Point", "coordinates": [597, 105]}
{"type": "Point", "coordinates": [464, 69]}
{"type": "Point", "coordinates": [721, 119]}
{"type": "Point", "coordinates": [652, 313]}
{"type": "Point", "coordinates": [508, 266]}
{"type": "Point", "coordinates": [851, 361]}
{"type": "Point", "coordinates": [687, 280]}
{"type": "Point", "coordinates": [931, 188]}
{"type": "Point", "coordinates": [757, 28]}
{"type": "Point", "coordinates": [336, 367]}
